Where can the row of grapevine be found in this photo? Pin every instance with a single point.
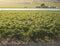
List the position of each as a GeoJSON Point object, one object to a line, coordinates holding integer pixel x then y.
{"type": "Point", "coordinates": [27, 26]}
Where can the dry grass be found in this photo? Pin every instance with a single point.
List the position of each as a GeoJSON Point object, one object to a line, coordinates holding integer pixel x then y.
{"type": "Point", "coordinates": [23, 5]}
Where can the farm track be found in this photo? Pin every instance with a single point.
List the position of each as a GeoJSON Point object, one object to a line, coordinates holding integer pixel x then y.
{"type": "Point", "coordinates": [32, 44]}
{"type": "Point", "coordinates": [53, 9]}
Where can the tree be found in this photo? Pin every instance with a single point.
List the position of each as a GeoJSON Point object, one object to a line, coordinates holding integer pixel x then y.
{"type": "Point", "coordinates": [43, 6]}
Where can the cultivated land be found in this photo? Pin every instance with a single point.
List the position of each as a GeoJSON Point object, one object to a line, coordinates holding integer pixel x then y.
{"type": "Point", "coordinates": [29, 26]}
{"type": "Point", "coordinates": [21, 28]}
{"type": "Point", "coordinates": [27, 5]}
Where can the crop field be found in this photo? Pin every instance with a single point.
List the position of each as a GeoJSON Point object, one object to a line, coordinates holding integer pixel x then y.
{"type": "Point", "coordinates": [29, 26]}
{"type": "Point", "coordinates": [33, 5]}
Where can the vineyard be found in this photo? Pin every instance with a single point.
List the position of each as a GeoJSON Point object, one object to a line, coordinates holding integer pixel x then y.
{"type": "Point", "coordinates": [29, 26]}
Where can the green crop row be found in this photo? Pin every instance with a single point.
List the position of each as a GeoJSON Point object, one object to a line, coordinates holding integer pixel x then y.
{"type": "Point", "coordinates": [29, 26]}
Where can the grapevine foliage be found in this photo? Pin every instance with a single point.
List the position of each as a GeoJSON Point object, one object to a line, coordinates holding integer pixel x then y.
{"type": "Point", "coordinates": [33, 26]}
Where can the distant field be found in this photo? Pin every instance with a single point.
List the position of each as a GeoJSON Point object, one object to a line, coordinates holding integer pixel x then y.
{"type": "Point", "coordinates": [17, 5]}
